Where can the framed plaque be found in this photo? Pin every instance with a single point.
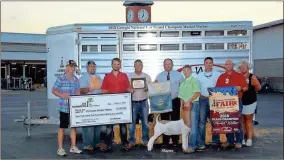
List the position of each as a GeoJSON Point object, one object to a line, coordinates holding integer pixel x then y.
{"type": "Point", "coordinates": [138, 83]}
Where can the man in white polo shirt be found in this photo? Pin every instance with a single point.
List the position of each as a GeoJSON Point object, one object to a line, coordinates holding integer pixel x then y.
{"type": "Point", "coordinates": [207, 79]}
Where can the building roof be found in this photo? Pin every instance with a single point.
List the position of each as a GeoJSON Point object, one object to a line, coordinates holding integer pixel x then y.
{"type": "Point", "coordinates": [10, 37]}
{"type": "Point", "coordinates": [138, 3]}
{"type": "Point", "coordinates": [268, 25]}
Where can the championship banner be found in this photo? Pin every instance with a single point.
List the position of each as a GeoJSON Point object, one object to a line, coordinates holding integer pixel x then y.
{"type": "Point", "coordinates": [91, 110]}
{"type": "Point", "coordinates": [224, 110]}
{"type": "Point", "coordinates": [160, 97]}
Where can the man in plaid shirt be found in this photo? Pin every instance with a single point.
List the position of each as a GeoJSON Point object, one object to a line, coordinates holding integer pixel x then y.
{"type": "Point", "coordinates": [65, 86]}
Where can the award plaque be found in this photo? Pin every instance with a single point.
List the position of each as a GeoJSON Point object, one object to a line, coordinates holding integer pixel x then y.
{"type": "Point", "coordinates": [138, 83]}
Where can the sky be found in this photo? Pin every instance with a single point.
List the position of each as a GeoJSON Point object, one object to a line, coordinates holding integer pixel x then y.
{"type": "Point", "coordinates": [37, 17]}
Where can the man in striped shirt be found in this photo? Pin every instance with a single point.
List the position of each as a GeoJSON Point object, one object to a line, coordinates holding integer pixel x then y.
{"type": "Point", "coordinates": [65, 86]}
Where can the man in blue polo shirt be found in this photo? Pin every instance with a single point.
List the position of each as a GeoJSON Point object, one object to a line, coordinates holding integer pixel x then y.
{"type": "Point", "coordinates": [90, 135]}
{"type": "Point", "coordinates": [176, 78]}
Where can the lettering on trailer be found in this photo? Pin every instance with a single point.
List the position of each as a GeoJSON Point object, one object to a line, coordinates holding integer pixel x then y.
{"type": "Point", "coordinates": [157, 27]}
{"type": "Point", "coordinates": [176, 27]}
{"type": "Point", "coordinates": [61, 69]}
{"type": "Point", "coordinates": [199, 68]}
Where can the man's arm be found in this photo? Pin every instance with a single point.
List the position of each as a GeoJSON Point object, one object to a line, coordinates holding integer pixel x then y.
{"type": "Point", "coordinates": [55, 89]}
{"type": "Point", "coordinates": [196, 94]}
{"type": "Point", "coordinates": [84, 90]}
{"type": "Point", "coordinates": [84, 87]}
{"type": "Point", "coordinates": [127, 85]}
{"type": "Point", "coordinates": [196, 89]}
{"type": "Point", "coordinates": [243, 84]}
{"type": "Point", "coordinates": [104, 91]}
{"type": "Point", "coordinates": [148, 81]}
{"type": "Point", "coordinates": [218, 83]}
{"type": "Point", "coordinates": [105, 85]}
{"type": "Point", "coordinates": [156, 79]}
{"type": "Point", "coordinates": [58, 94]}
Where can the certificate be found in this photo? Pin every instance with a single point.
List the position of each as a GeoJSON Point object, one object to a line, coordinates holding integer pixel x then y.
{"type": "Point", "coordinates": [138, 83]}
{"type": "Point", "coordinates": [92, 110]}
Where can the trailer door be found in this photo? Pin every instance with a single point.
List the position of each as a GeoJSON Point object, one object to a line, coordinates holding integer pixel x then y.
{"type": "Point", "coordinates": [98, 47]}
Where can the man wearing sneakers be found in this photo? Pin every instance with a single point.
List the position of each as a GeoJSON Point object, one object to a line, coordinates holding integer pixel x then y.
{"type": "Point", "coordinates": [233, 78]}
{"type": "Point", "coordinates": [139, 105]}
{"type": "Point", "coordinates": [90, 83]}
{"type": "Point", "coordinates": [65, 86]}
{"type": "Point", "coordinates": [206, 79]}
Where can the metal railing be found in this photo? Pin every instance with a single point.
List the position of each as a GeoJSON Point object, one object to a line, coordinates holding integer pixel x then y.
{"type": "Point", "coordinates": [29, 122]}
{"type": "Point", "coordinates": [17, 83]}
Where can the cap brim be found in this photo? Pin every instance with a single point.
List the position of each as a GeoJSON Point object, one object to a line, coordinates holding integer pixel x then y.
{"type": "Point", "coordinates": [72, 65]}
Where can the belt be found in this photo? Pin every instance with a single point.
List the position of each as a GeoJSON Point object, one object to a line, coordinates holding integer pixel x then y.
{"type": "Point", "coordinates": [203, 96]}
{"type": "Point", "coordinates": [144, 100]}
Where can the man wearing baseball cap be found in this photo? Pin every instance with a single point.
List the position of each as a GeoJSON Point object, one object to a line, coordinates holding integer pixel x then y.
{"type": "Point", "coordinates": [65, 86]}
{"type": "Point", "coordinates": [90, 83]}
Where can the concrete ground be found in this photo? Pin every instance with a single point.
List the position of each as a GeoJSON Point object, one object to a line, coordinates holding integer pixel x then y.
{"type": "Point", "coordinates": [268, 142]}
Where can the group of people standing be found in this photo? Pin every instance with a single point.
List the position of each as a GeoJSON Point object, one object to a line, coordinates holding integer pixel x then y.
{"type": "Point", "coordinates": [188, 93]}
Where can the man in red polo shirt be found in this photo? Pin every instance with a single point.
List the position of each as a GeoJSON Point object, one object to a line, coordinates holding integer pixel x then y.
{"type": "Point", "coordinates": [233, 78]}
{"type": "Point", "coordinates": [115, 82]}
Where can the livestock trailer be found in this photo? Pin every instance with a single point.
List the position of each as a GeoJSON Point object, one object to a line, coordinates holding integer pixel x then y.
{"type": "Point", "coordinates": [184, 43]}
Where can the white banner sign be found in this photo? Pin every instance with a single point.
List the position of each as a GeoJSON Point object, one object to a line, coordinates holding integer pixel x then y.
{"type": "Point", "coordinates": [160, 88]}
{"type": "Point", "coordinates": [91, 110]}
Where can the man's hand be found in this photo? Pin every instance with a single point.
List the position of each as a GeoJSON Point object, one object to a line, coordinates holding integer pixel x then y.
{"type": "Point", "coordinates": [239, 88]}
{"type": "Point", "coordinates": [130, 90]}
{"type": "Point", "coordinates": [145, 89]}
{"type": "Point", "coordinates": [65, 96]}
{"type": "Point", "coordinates": [78, 92]}
{"type": "Point", "coordinates": [91, 89]}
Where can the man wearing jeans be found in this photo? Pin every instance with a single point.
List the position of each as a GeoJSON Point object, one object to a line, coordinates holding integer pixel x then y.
{"type": "Point", "coordinates": [115, 82]}
{"type": "Point", "coordinates": [90, 84]}
{"type": "Point", "coordinates": [139, 104]}
{"type": "Point", "coordinates": [206, 79]}
{"type": "Point", "coordinates": [233, 78]}
{"type": "Point", "coordinates": [189, 92]}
